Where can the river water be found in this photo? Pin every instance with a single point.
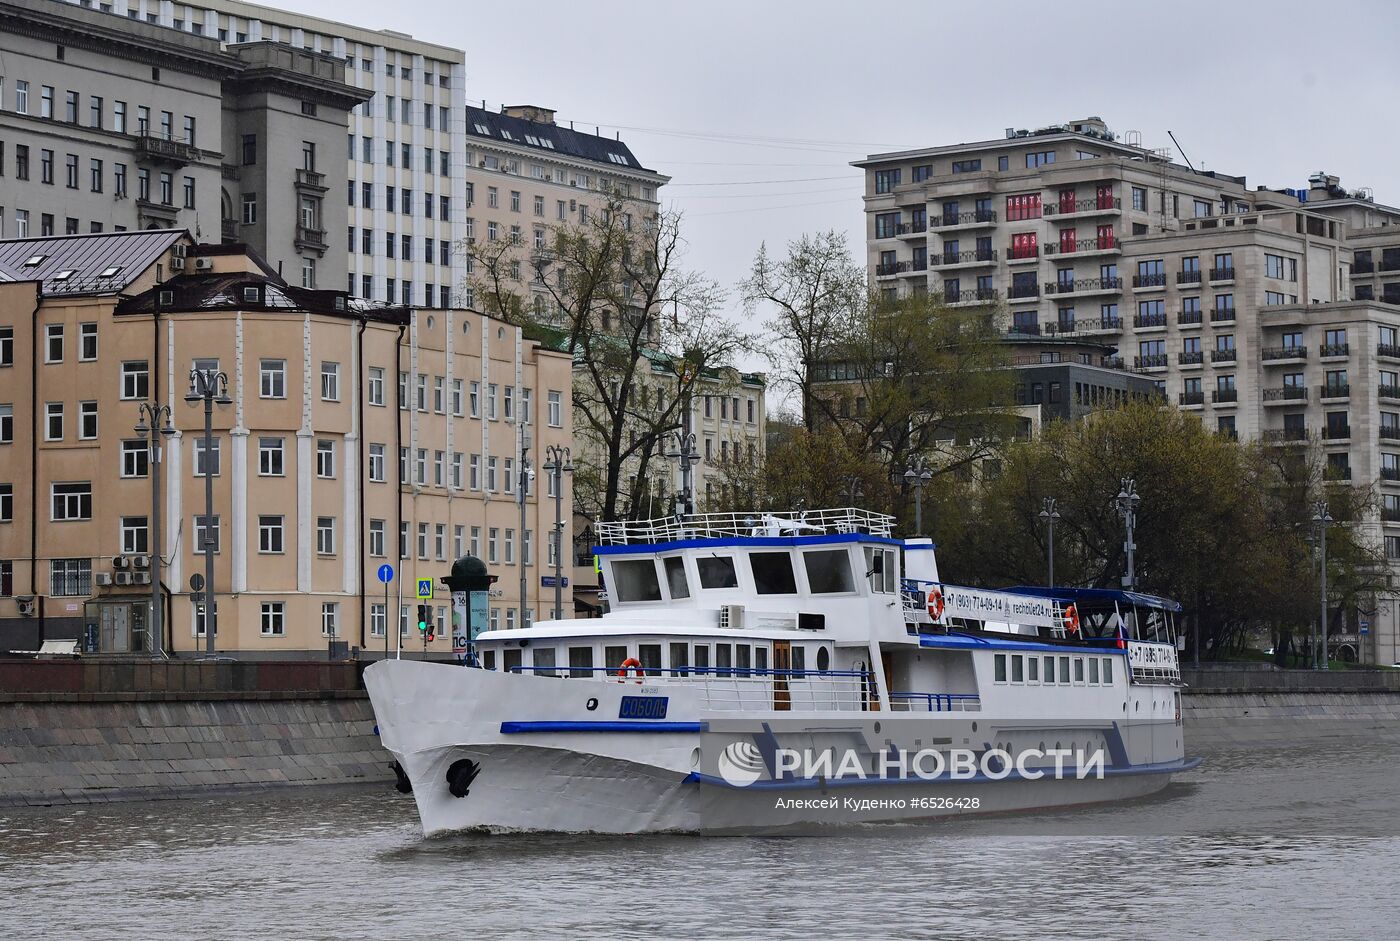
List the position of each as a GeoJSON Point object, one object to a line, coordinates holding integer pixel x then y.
{"type": "Point", "coordinates": [1258, 843]}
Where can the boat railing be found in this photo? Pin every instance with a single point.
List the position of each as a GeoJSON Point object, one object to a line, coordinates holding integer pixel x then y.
{"type": "Point", "coordinates": [935, 702]}
{"type": "Point", "coordinates": [741, 689]}
{"type": "Point", "coordinates": [1162, 675]}
{"type": "Point", "coordinates": [840, 520]}
{"type": "Point", "coordinates": [914, 593]}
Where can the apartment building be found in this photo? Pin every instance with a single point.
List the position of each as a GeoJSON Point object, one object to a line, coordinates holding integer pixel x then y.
{"type": "Point", "coordinates": [405, 151]}
{"type": "Point", "coordinates": [110, 124]}
{"type": "Point", "coordinates": [1242, 305]}
{"type": "Point", "coordinates": [357, 434]}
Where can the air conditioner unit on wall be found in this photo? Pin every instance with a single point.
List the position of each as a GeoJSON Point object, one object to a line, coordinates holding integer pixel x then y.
{"type": "Point", "coordinates": [120, 562]}
{"type": "Point", "coordinates": [177, 263]}
{"type": "Point", "coordinates": [204, 264]}
{"type": "Point", "coordinates": [178, 250]}
{"type": "Point", "coordinates": [104, 579]}
{"type": "Point", "coordinates": [124, 578]}
{"type": "Point", "coordinates": [731, 616]}
{"type": "Point", "coordinates": [141, 562]}
{"type": "Point", "coordinates": [141, 578]}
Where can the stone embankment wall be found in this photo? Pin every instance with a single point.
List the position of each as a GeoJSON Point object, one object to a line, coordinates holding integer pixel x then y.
{"type": "Point", "coordinates": [1267, 707]}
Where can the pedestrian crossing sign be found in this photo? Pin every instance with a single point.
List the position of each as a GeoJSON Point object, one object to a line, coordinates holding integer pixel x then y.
{"type": "Point", "coordinates": [425, 589]}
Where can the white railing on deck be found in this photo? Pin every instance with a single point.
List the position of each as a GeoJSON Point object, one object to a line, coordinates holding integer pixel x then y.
{"type": "Point", "coordinates": [721, 525]}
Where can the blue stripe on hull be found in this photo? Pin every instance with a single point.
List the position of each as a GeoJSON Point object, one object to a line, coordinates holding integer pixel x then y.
{"type": "Point", "coordinates": [521, 728]}
{"type": "Point", "coordinates": [1162, 767]}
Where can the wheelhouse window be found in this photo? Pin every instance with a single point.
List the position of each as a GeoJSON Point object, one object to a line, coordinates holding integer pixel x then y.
{"type": "Point", "coordinates": [581, 662]}
{"type": "Point", "coordinates": [636, 580]}
{"type": "Point", "coordinates": [717, 572]}
{"type": "Point", "coordinates": [880, 569]}
{"type": "Point", "coordinates": [650, 655]}
{"type": "Point", "coordinates": [676, 582]}
{"type": "Point", "coordinates": [828, 571]}
{"type": "Point", "coordinates": [772, 573]}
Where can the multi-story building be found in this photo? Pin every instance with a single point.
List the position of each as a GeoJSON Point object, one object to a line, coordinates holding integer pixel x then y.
{"type": "Point", "coordinates": [357, 434]}
{"type": "Point", "coordinates": [404, 146]}
{"type": "Point", "coordinates": [1245, 306]}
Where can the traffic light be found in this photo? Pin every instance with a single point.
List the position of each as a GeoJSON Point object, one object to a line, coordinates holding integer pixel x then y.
{"type": "Point", "coordinates": [425, 620]}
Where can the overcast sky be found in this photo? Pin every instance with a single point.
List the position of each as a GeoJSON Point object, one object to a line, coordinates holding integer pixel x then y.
{"type": "Point", "coordinates": [743, 93]}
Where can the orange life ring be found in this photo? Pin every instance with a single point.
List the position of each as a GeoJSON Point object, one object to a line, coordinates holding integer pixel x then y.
{"type": "Point", "coordinates": [935, 603]}
{"type": "Point", "coordinates": [1071, 617]}
{"type": "Point", "coordinates": [631, 663]}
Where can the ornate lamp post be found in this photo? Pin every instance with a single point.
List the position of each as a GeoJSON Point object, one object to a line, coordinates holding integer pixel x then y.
{"type": "Point", "coordinates": [1321, 519]}
{"type": "Point", "coordinates": [557, 466]}
{"type": "Point", "coordinates": [159, 427]}
{"type": "Point", "coordinates": [1126, 503]}
{"type": "Point", "coordinates": [917, 476]}
{"type": "Point", "coordinates": [1050, 515]}
{"type": "Point", "coordinates": [210, 387]}
{"type": "Point", "coordinates": [688, 457]}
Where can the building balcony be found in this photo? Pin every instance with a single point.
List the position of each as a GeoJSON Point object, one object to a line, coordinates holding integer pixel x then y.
{"type": "Point", "coordinates": [1388, 392]}
{"type": "Point", "coordinates": [1390, 432]}
{"type": "Point", "coordinates": [154, 215]}
{"type": "Point", "coordinates": [1285, 435]}
{"type": "Point", "coordinates": [1337, 472]}
{"type": "Point", "coordinates": [1334, 350]}
{"type": "Point", "coordinates": [1191, 398]}
{"type": "Point", "coordinates": [1024, 290]}
{"type": "Point", "coordinates": [1084, 326]}
{"type": "Point", "coordinates": [1390, 514]}
{"type": "Point", "coordinates": [886, 270]}
{"type": "Point", "coordinates": [1222, 274]}
{"type": "Point", "coordinates": [1149, 321]}
{"type": "Point", "coordinates": [1225, 396]}
{"type": "Point", "coordinates": [1363, 267]}
{"type": "Point", "coordinates": [1223, 356]}
{"type": "Point", "coordinates": [1336, 433]}
{"type": "Point", "coordinates": [911, 228]}
{"type": "Point", "coordinates": [981, 217]}
{"type": "Point", "coordinates": [1188, 277]}
{"type": "Point", "coordinates": [1335, 390]}
{"type": "Point", "coordinates": [309, 239]}
{"type": "Point", "coordinates": [964, 259]}
{"type": "Point", "coordinates": [1388, 350]}
{"type": "Point", "coordinates": [1390, 473]}
{"type": "Point", "coordinates": [1091, 246]}
{"type": "Point", "coordinates": [918, 264]}
{"type": "Point", "coordinates": [228, 230]}
{"type": "Point", "coordinates": [1223, 315]}
{"type": "Point", "coordinates": [1189, 318]}
{"type": "Point", "coordinates": [1015, 253]}
{"type": "Point", "coordinates": [1190, 359]}
{"type": "Point", "coordinates": [1152, 361]}
{"type": "Point", "coordinates": [1084, 286]}
{"type": "Point", "coordinates": [1149, 280]}
{"type": "Point", "coordinates": [1084, 207]}
{"type": "Point", "coordinates": [166, 152]}
{"type": "Point", "coordinates": [1284, 394]}
{"type": "Point", "coordinates": [983, 296]}
{"type": "Point", "coordinates": [1284, 354]}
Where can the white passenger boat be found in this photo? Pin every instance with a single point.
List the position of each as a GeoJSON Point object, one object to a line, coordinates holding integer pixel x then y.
{"type": "Point", "coordinates": [762, 673]}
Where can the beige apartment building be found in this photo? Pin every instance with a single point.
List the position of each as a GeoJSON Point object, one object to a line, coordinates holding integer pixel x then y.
{"type": "Point", "coordinates": [110, 124]}
{"type": "Point", "coordinates": [357, 434]}
{"type": "Point", "coordinates": [1243, 305]}
{"type": "Point", "coordinates": [404, 144]}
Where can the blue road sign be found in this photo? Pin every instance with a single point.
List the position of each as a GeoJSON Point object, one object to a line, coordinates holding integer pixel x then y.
{"type": "Point", "coordinates": [386, 573]}
{"type": "Point", "coordinates": [425, 589]}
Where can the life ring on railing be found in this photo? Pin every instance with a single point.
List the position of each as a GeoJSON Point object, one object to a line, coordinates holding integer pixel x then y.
{"type": "Point", "coordinates": [935, 603]}
{"type": "Point", "coordinates": [1071, 617]}
{"type": "Point", "coordinates": [631, 663]}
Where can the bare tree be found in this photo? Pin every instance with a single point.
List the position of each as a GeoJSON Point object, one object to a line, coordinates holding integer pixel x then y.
{"type": "Point", "coordinates": [814, 294]}
{"type": "Point", "coordinates": [610, 289]}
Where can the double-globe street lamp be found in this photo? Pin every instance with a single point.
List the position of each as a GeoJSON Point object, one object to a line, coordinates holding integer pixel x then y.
{"type": "Point", "coordinates": [1126, 503]}
{"type": "Point", "coordinates": [917, 476]}
{"type": "Point", "coordinates": [209, 386]}
{"type": "Point", "coordinates": [1049, 515]}
{"type": "Point", "coordinates": [557, 465]}
{"type": "Point", "coordinates": [154, 424]}
{"type": "Point", "coordinates": [1321, 519]}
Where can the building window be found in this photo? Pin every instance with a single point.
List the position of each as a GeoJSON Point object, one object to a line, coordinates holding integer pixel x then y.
{"type": "Point", "coordinates": [136, 458]}
{"type": "Point", "coordinates": [273, 379]}
{"type": "Point", "coordinates": [886, 180]}
{"type": "Point", "coordinates": [53, 421]}
{"type": "Point", "coordinates": [270, 463]}
{"type": "Point", "coordinates": [7, 506]}
{"type": "Point", "coordinates": [87, 342]}
{"type": "Point", "coordinates": [330, 616]}
{"type": "Point", "coordinates": [375, 394]}
{"type": "Point", "coordinates": [325, 458]}
{"type": "Point", "coordinates": [269, 534]}
{"type": "Point", "coordinates": [72, 501]}
{"type": "Point", "coordinates": [325, 535]}
{"type": "Point", "coordinates": [136, 380]}
{"type": "Point", "coordinates": [273, 619]}
{"type": "Point", "coordinates": [134, 535]}
{"type": "Point", "coordinates": [376, 537]}
{"type": "Point", "coordinates": [330, 382]}
{"type": "Point", "coordinates": [250, 208]}
{"type": "Point", "coordinates": [376, 463]}
{"type": "Point", "coordinates": [53, 342]}
{"type": "Point", "coordinates": [70, 577]}
{"type": "Point", "coordinates": [87, 421]}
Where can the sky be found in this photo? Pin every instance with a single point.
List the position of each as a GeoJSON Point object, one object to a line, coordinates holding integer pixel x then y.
{"type": "Point", "coordinates": [755, 109]}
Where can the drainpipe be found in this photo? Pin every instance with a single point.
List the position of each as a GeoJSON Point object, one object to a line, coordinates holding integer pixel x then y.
{"type": "Point", "coordinates": [166, 629]}
{"type": "Point", "coordinates": [364, 451]}
{"type": "Point", "coordinates": [392, 618]}
{"type": "Point", "coordinates": [34, 457]}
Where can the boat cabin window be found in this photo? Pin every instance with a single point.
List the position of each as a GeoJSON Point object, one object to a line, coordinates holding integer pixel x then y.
{"type": "Point", "coordinates": [772, 573]}
{"type": "Point", "coordinates": [1108, 669]}
{"type": "Point", "coordinates": [760, 659]}
{"type": "Point", "coordinates": [613, 657]}
{"type": "Point", "coordinates": [880, 569]}
{"type": "Point", "coordinates": [717, 572]}
{"type": "Point", "coordinates": [635, 580]}
{"type": "Point", "coordinates": [702, 658]}
{"type": "Point", "coordinates": [799, 659]}
{"type": "Point", "coordinates": [544, 661]}
{"type": "Point", "coordinates": [510, 659]}
{"type": "Point", "coordinates": [680, 659]}
{"type": "Point", "coordinates": [823, 659]}
{"type": "Point", "coordinates": [723, 657]}
{"type": "Point", "coordinates": [650, 655]}
{"type": "Point", "coordinates": [828, 571]}
{"type": "Point", "coordinates": [741, 657]}
{"type": "Point", "coordinates": [488, 659]}
{"type": "Point", "coordinates": [581, 661]}
{"type": "Point", "coordinates": [676, 583]}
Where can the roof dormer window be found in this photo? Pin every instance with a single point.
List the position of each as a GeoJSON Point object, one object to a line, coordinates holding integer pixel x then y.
{"type": "Point", "coordinates": [110, 272]}
{"type": "Point", "coordinates": [34, 261]}
{"type": "Point", "coordinates": [64, 275]}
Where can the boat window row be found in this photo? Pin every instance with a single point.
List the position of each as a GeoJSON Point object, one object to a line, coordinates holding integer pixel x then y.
{"type": "Point", "coordinates": [772, 572]}
{"type": "Point", "coordinates": [670, 659]}
{"type": "Point", "coordinates": [1053, 669]}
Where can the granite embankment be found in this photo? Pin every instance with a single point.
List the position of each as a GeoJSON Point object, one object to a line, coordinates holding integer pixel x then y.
{"type": "Point", "coordinates": [77, 732]}
{"type": "Point", "coordinates": [85, 731]}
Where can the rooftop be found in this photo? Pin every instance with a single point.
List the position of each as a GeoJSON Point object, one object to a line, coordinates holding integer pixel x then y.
{"type": "Point", "coordinates": [96, 263]}
{"type": "Point", "coordinates": [533, 127]}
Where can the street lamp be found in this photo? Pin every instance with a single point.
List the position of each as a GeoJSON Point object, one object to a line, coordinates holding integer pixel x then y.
{"type": "Point", "coordinates": [917, 476]}
{"type": "Point", "coordinates": [1320, 519]}
{"type": "Point", "coordinates": [1050, 515]}
{"type": "Point", "coordinates": [159, 416]}
{"type": "Point", "coordinates": [557, 466]}
{"type": "Point", "coordinates": [688, 457]}
{"type": "Point", "coordinates": [853, 487]}
{"type": "Point", "coordinates": [527, 474]}
{"type": "Point", "coordinates": [1126, 503]}
{"type": "Point", "coordinates": [211, 387]}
